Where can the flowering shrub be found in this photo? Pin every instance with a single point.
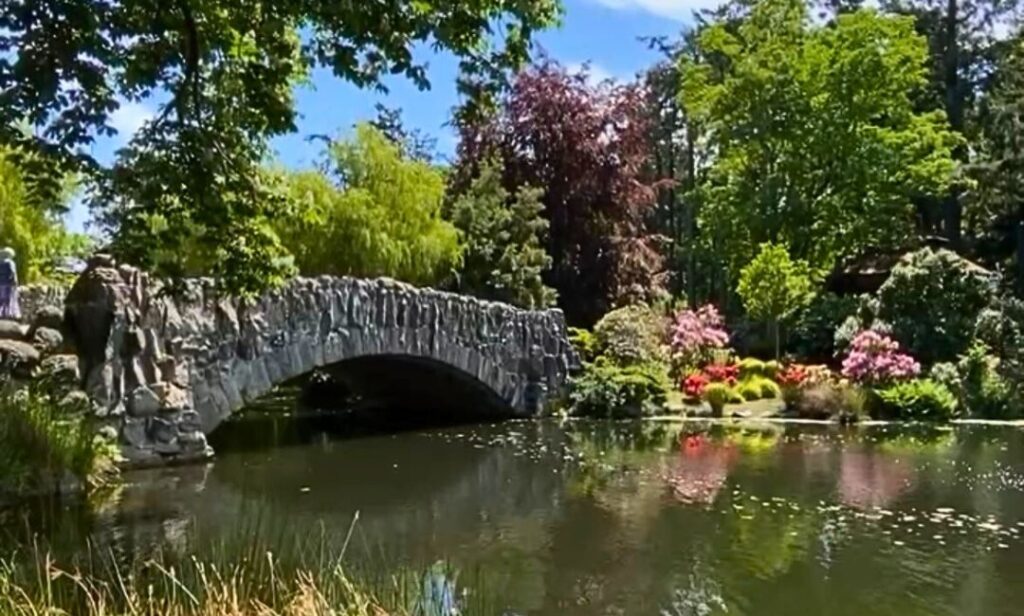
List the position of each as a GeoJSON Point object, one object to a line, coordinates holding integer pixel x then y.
{"type": "Point", "coordinates": [694, 333]}
{"type": "Point", "coordinates": [694, 384]}
{"type": "Point", "coordinates": [793, 376]}
{"type": "Point", "coordinates": [722, 373]}
{"type": "Point", "coordinates": [875, 358]}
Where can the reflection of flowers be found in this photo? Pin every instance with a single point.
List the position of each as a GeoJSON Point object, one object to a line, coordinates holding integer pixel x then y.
{"type": "Point", "coordinates": [871, 479]}
{"type": "Point", "coordinates": [700, 470]}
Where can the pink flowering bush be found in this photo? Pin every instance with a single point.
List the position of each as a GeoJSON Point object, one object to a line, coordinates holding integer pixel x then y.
{"type": "Point", "coordinates": [694, 333]}
{"type": "Point", "coordinates": [875, 358]}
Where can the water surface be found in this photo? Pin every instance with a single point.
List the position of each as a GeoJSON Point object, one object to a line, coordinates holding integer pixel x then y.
{"type": "Point", "coordinates": [587, 518]}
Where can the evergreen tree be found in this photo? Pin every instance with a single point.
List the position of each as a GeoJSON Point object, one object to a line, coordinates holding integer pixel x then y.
{"type": "Point", "coordinates": [503, 240]}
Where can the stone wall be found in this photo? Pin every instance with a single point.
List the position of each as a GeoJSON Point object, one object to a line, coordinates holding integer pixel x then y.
{"type": "Point", "coordinates": [171, 368]}
{"type": "Point", "coordinates": [34, 298]}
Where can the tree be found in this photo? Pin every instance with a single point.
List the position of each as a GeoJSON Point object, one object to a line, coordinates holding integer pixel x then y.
{"type": "Point", "coordinates": [503, 237]}
{"type": "Point", "coordinates": [382, 216]}
{"type": "Point", "coordinates": [194, 173]}
{"type": "Point", "coordinates": [586, 147]}
{"type": "Point", "coordinates": [30, 221]}
{"type": "Point", "coordinates": [414, 143]}
{"type": "Point", "coordinates": [996, 212]}
{"type": "Point", "coordinates": [815, 137]}
{"type": "Point", "coordinates": [965, 45]}
{"type": "Point", "coordinates": [774, 286]}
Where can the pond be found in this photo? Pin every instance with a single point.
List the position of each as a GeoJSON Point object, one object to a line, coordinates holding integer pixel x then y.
{"type": "Point", "coordinates": [625, 518]}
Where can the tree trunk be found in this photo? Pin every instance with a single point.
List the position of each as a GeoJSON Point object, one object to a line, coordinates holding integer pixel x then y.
{"type": "Point", "coordinates": [951, 207]}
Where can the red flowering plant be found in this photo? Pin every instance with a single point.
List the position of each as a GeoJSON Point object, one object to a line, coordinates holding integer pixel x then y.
{"type": "Point", "coordinates": [694, 384]}
{"type": "Point", "coordinates": [722, 373]}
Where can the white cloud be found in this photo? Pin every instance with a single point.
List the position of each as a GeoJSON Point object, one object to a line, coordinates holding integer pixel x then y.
{"type": "Point", "coordinates": [679, 10]}
{"type": "Point", "coordinates": [129, 118]}
{"type": "Point", "coordinates": [596, 73]}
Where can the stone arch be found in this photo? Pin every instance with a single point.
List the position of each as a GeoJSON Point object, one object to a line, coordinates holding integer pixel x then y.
{"type": "Point", "coordinates": [166, 368]}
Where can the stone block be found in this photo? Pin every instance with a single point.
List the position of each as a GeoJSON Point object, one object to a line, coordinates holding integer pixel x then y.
{"type": "Point", "coordinates": [143, 402]}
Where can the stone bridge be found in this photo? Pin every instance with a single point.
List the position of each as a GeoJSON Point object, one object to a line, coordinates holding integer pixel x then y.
{"type": "Point", "coordinates": [165, 368]}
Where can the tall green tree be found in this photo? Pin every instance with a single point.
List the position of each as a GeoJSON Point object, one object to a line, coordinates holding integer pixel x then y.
{"type": "Point", "coordinates": [815, 138]}
{"type": "Point", "coordinates": [381, 216]}
{"type": "Point", "coordinates": [774, 287]}
{"type": "Point", "coordinates": [503, 238]}
{"type": "Point", "coordinates": [192, 176]}
{"type": "Point", "coordinates": [996, 212]}
{"type": "Point", "coordinates": [966, 42]}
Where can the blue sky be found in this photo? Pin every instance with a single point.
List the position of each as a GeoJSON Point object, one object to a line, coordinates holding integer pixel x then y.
{"type": "Point", "coordinates": [603, 33]}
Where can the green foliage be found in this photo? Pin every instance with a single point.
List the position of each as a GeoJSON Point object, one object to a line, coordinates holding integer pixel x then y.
{"type": "Point", "coordinates": [773, 286]}
{"type": "Point", "coordinates": [812, 336]}
{"type": "Point", "coordinates": [825, 400]}
{"type": "Point", "coordinates": [751, 367]}
{"type": "Point", "coordinates": [749, 390]}
{"type": "Point", "coordinates": [43, 443]}
{"type": "Point", "coordinates": [584, 342]}
{"type": "Point", "coordinates": [734, 396]}
{"type": "Point", "coordinates": [30, 221]}
{"type": "Point", "coordinates": [917, 399]}
{"type": "Point", "coordinates": [191, 180]}
{"type": "Point", "coordinates": [772, 368]}
{"type": "Point", "coordinates": [931, 300]}
{"type": "Point", "coordinates": [770, 390]}
{"type": "Point", "coordinates": [717, 396]}
{"type": "Point", "coordinates": [631, 334]}
{"type": "Point", "coordinates": [816, 139]}
{"type": "Point", "coordinates": [984, 390]}
{"type": "Point", "coordinates": [383, 219]}
{"type": "Point", "coordinates": [608, 389]}
{"type": "Point", "coordinates": [503, 240]}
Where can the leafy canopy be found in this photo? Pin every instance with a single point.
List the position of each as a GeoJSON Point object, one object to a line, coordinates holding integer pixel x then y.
{"type": "Point", "coordinates": [382, 218]}
{"type": "Point", "coordinates": [773, 286]}
{"type": "Point", "coordinates": [815, 136]}
{"type": "Point", "coordinates": [192, 176]}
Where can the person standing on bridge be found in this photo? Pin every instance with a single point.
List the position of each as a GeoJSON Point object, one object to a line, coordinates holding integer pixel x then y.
{"type": "Point", "coordinates": [9, 308]}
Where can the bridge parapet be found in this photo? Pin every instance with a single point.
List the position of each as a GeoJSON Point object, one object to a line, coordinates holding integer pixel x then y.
{"type": "Point", "coordinates": [167, 368]}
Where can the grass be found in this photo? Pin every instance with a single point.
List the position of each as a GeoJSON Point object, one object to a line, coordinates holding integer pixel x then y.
{"type": "Point", "coordinates": [249, 572]}
{"type": "Point", "coordinates": [47, 447]}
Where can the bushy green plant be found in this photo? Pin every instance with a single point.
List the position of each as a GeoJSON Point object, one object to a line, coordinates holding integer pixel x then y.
{"type": "Point", "coordinates": [770, 390]}
{"type": "Point", "coordinates": [717, 396]}
{"type": "Point", "coordinates": [749, 390]}
{"type": "Point", "coordinates": [932, 300]}
{"type": "Point", "coordinates": [44, 443]}
{"type": "Point", "coordinates": [772, 369]}
{"type": "Point", "coordinates": [812, 336]}
{"type": "Point", "coordinates": [735, 397]}
{"type": "Point", "coordinates": [632, 334]}
{"type": "Point", "coordinates": [983, 389]}
{"type": "Point", "coordinates": [751, 367]}
{"type": "Point", "coordinates": [917, 399]}
{"type": "Point", "coordinates": [609, 389]}
{"type": "Point", "coordinates": [584, 342]}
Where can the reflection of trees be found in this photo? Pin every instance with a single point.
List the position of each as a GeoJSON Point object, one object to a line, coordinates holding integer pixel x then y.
{"type": "Point", "coordinates": [700, 469]}
{"type": "Point", "coordinates": [867, 479]}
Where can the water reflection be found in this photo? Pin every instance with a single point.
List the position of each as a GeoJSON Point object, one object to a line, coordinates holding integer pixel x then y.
{"type": "Point", "coordinates": [608, 518]}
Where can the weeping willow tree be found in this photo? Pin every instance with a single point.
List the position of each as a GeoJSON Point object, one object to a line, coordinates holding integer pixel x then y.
{"type": "Point", "coordinates": [369, 212]}
{"type": "Point", "coordinates": [30, 221]}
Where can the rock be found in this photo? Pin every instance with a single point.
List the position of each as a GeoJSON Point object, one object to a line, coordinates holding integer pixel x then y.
{"type": "Point", "coordinates": [47, 340]}
{"type": "Point", "coordinates": [17, 358]}
{"type": "Point", "coordinates": [12, 330]}
{"type": "Point", "coordinates": [171, 397]}
{"type": "Point", "coordinates": [59, 373]}
{"type": "Point", "coordinates": [100, 259]}
{"type": "Point", "coordinates": [50, 317]}
{"type": "Point", "coordinates": [189, 421]}
{"type": "Point", "coordinates": [143, 402]}
{"type": "Point", "coordinates": [741, 414]}
{"type": "Point", "coordinates": [162, 430]}
{"type": "Point", "coordinates": [133, 433]}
